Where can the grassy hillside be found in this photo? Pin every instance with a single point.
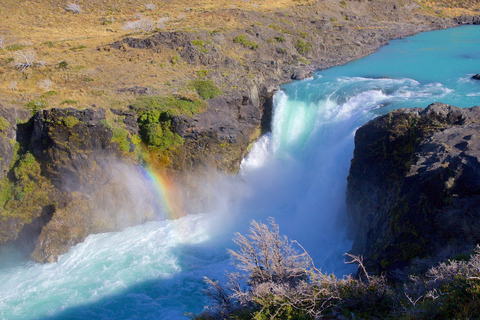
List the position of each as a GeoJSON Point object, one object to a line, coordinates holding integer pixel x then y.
{"type": "Point", "coordinates": [69, 49]}
{"type": "Point", "coordinates": [72, 64]}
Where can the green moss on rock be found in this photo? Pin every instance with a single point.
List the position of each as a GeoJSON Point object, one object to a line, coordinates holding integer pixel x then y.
{"type": "Point", "coordinates": [3, 124]}
{"type": "Point", "coordinates": [24, 192]}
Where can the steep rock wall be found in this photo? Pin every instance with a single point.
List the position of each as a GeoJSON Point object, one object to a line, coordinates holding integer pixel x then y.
{"type": "Point", "coordinates": [414, 185]}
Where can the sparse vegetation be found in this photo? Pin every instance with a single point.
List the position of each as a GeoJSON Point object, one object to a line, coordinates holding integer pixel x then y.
{"type": "Point", "coordinates": [68, 101]}
{"type": "Point", "coordinates": [46, 84]}
{"type": "Point", "coordinates": [15, 47]}
{"type": "Point", "coordinates": [242, 39]}
{"type": "Point", "coordinates": [276, 39]}
{"type": "Point", "coordinates": [25, 59]}
{"type": "Point", "coordinates": [277, 281]}
{"type": "Point", "coordinates": [303, 47]}
{"type": "Point", "coordinates": [63, 64]}
{"type": "Point", "coordinates": [142, 24]}
{"type": "Point", "coordinates": [73, 7]}
{"type": "Point", "coordinates": [201, 45]}
{"type": "Point", "coordinates": [3, 124]}
{"type": "Point", "coordinates": [36, 105]}
{"type": "Point", "coordinates": [206, 89]}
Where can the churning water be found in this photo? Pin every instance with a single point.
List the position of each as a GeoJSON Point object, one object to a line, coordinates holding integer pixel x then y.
{"type": "Point", "coordinates": [297, 174]}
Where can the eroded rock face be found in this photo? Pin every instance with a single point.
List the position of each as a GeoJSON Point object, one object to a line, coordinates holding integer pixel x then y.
{"type": "Point", "coordinates": [414, 185]}
{"type": "Point", "coordinates": [82, 158]}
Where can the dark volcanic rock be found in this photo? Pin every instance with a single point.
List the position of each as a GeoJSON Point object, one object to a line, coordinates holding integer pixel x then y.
{"type": "Point", "coordinates": [414, 185]}
{"type": "Point", "coordinates": [82, 159]}
{"type": "Point", "coordinates": [468, 20]}
{"type": "Point", "coordinates": [476, 77]}
{"type": "Point", "coordinates": [69, 150]}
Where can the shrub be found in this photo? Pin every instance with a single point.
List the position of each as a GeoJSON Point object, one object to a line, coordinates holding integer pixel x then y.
{"type": "Point", "coordinates": [36, 105]}
{"type": "Point", "coordinates": [242, 39]}
{"type": "Point", "coordinates": [120, 135]}
{"type": "Point", "coordinates": [73, 7]}
{"type": "Point", "coordinates": [303, 47]}
{"type": "Point", "coordinates": [169, 105]}
{"type": "Point", "coordinates": [155, 115]}
{"type": "Point", "coordinates": [24, 59]}
{"type": "Point", "coordinates": [276, 39]}
{"type": "Point", "coordinates": [159, 136]}
{"type": "Point", "coordinates": [276, 281]}
{"type": "Point", "coordinates": [46, 84]}
{"type": "Point", "coordinates": [63, 64]}
{"type": "Point", "coordinates": [145, 24]}
{"type": "Point", "coordinates": [206, 89]}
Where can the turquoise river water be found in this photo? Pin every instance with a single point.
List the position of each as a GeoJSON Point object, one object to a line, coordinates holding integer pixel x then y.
{"type": "Point", "coordinates": [297, 174]}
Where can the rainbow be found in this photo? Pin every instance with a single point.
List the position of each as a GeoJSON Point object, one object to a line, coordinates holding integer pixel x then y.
{"type": "Point", "coordinates": [168, 192]}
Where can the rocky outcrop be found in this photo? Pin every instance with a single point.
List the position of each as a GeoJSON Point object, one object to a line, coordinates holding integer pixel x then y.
{"type": "Point", "coordinates": [476, 76]}
{"type": "Point", "coordinates": [414, 185]}
{"type": "Point", "coordinates": [86, 155]}
{"type": "Point", "coordinates": [71, 176]}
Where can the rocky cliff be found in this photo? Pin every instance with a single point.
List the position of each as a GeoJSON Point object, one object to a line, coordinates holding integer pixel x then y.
{"type": "Point", "coordinates": [414, 186]}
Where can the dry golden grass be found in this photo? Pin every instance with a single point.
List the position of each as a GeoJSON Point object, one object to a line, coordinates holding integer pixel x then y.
{"type": "Point", "coordinates": [452, 8]}
{"type": "Point", "coordinates": [93, 75]}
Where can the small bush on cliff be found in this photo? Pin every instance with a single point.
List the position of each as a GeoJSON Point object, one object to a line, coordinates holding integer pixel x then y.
{"type": "Point", "coordinates": [206, 89]}
{"type": "Point", "coordinates": [242, 39]}
{"type": "Point", "coordinates": [36, 105]}
{"type": "Point", "coordinates": [155, 115]}
{"type": "Point", "coordinates": [24, 59]}
{"type": "Point", "coordinates": [303, 47]}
